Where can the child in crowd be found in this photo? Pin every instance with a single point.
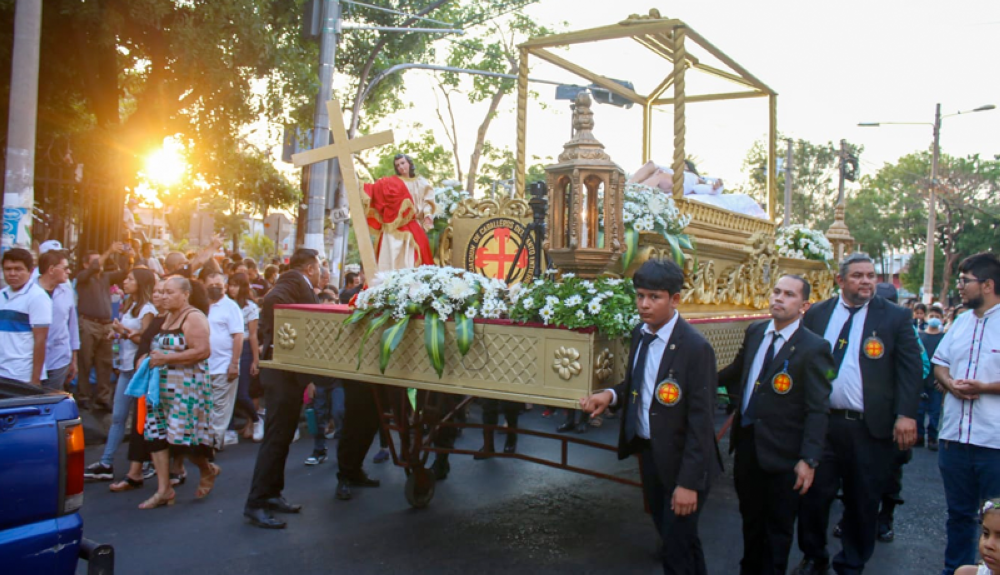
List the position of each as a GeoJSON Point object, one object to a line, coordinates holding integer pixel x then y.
{"type": "Point", "coordinates": [989, 543]}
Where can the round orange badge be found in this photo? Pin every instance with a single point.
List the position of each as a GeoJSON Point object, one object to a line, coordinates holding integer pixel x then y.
{"type": "Point", "coordinates": [668, 393]}
{"type": "Point", "coordinates": [782, 383]}
{"type": "Point", "coordinates": [874, 348]}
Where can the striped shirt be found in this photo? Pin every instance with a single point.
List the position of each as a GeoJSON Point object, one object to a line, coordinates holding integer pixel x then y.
{"type": "Point", "coordinates": [971, 350]}
{"type": "Point", "coordinates": [20, 312]}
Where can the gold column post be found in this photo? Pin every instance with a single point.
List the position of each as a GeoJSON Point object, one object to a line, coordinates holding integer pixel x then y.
{"type": "Point", "coordinates": [680, 63]}
{"type": "Point", "coordinates": [522, 125]}
{"type": "Point", "coordinates": [772, 156]}
{"type": "Point", "coordinates": [647, 131]}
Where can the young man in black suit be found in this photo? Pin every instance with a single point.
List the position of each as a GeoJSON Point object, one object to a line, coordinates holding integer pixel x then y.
{"type": "Point", "coordinates": [780, 386]}
{"type": "Point", "coordinates": [874, 403]}
{"type": "Point", "coordinates": [668, 397]}
{"type": "Point", "coordinates": [283, 391]}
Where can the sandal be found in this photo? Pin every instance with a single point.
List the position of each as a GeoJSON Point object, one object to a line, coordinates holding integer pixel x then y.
{"type": "Point", "coordinates": [157, 500]}
{"type": "Point", "coordinates": [126, 484]}
{"type": "Point", "coordinates": [178, 479]}
{"type": "Point", "coordinates": [205, 484]}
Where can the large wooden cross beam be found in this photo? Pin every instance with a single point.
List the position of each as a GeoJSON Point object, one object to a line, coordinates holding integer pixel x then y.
{"type": "Point", "coordinates": [342, 149]}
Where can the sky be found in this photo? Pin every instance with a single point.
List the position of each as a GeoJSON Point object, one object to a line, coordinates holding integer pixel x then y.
{"type": "Point", "coordinates": [833, 65]}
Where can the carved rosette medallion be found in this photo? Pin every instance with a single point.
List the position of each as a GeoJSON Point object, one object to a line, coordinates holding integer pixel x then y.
{"type": "Point", "coordinates": [604, 366]}
{"type": "Point", "coordinates": [567, 362]}
{"type": "Point", "coordinates": [287, 336]}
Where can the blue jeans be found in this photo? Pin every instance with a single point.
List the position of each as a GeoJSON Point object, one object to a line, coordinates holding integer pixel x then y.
{"type": "Point", "coordinates": [119, 417]}
{"type": "Point", "coordinates": [327, 402]}
{"type": "Point", "coordinates": [971, 475]}
{"type": "Point", "coordinates": [931, 409]}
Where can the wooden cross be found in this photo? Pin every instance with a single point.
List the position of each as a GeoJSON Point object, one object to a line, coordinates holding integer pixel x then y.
{"type": "Point", "coordinates": [342, 148]}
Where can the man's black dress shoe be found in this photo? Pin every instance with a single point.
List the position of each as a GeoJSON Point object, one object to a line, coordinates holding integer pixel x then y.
{"type": "Point", "coordinates": [259, 517]}
{"type": "Point", "coordinates": [510, 446]}
{"type": "Point", "coordinates": [280, 505]}
{"type": "Point", "coordinates": [566, 427]}
{"type": "Point", "coordinates": [364, 481]}
{"type": "Point", "coordinates": [812, 567]}
{"type": "Point", "coordinates": [343, 492]}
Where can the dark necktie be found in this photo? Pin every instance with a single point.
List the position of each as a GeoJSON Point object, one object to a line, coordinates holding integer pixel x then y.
{"type": "Point", "coordinates": [748, 414]}
{"type": "Point", "coordinates": [840, 346]}
{"type": "Point", "coordinates": [638, 387]}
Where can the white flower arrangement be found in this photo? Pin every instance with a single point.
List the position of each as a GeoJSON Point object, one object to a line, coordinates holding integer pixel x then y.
{"type": "Point", "coordinates": [447, 198]}
{"type": "Point", "coordinates": [649, 209]}
{"type": "Point", "coordinates": [799, 242]}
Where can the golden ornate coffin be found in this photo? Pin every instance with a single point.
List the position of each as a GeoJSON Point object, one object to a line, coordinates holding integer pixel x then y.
{"type": "Point", "coordinates": [528, 363]}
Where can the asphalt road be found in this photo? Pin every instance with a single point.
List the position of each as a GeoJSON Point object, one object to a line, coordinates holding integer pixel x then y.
{"type": "Point", "coordinates": [494, 516]}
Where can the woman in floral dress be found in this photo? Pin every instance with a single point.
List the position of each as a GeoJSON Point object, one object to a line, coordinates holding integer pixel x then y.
{"type": "Point", "coordinates": [179, 425]}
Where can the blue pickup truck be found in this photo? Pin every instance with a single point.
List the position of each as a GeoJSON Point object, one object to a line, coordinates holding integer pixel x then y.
{"type": "Point", "coordinates": [41, 485]}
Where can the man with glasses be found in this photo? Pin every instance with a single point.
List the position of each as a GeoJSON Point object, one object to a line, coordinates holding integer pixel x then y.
{"type": "Point", "coordinates": [967, 364]}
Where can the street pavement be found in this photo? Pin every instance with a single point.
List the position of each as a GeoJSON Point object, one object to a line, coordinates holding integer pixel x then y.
{"type": "Point", "coordinates": [493, 516]}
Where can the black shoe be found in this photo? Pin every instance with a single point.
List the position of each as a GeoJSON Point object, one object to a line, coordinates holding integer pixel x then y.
{"type": "Point", "coordinates": [364, 481]}
{"type": "Point", "coordinates": [510, 446]}
{"type": "Point", "coordinates": [343, 492]}
{"type": "Point", "coordinates": [485, 452]}
{"type": "Point", "coordinates": [99, 472]}
{"type": "Point", "coordinates": [582, 427]}
{"type": "Point", "coordinates": [812, 567]}
{"type": "Point", "coordinates": [886, 534]}
{"type": "Point", "coordinates": [262, 518]}
{"type": "Point", "coordinates": [838, 532]}
{"type": "Point", "coordinates": [440, 467]}
{"type": "Point", "coordinates": [932, 444]}
{"type": "Point", "coordinates": [280, 505]}
{"type": "Point", "coordinates": [566, 427]}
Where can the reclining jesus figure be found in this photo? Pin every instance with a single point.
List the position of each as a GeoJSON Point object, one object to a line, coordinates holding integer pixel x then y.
{"type": "Point", "coordinates": [696, 187]}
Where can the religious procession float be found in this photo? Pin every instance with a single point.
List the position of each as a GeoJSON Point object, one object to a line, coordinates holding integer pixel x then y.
{"type": "Point", "coordinates": [530, 300]}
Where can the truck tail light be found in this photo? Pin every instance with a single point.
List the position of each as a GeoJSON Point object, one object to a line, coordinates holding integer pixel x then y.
{"type": "Point", "coordinates": [72, 496]}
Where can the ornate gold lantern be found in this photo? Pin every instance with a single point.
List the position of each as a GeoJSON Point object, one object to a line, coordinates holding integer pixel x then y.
{"type": "Point", "coordinates": [584, 177]}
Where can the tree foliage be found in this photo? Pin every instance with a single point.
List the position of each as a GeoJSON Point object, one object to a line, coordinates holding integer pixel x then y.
{"type": "Point", "coordinates": [258, 246]}
{"type": "Point", "coordinates": [432, 160]}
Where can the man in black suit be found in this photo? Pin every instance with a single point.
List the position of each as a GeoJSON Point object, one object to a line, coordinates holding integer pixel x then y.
{"type": "Point", "coordinates": [283, 391]}
{"type": "Point", "coordinates": [668, 397]}
{"type": "Point", "coordinates": [780, 388]}
{"type": "Point", "coordinates": [874, 402]}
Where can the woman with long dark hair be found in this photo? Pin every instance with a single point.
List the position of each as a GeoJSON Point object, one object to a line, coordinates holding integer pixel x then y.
{"type": "Point", "coordinates": [239, 291]}
{"type": "Point", "coordinates": [134, 317]}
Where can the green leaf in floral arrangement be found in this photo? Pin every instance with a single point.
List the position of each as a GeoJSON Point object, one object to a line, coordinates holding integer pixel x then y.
{"type": "Point", "coordinates": [631, 246]}
{"type": "Point", "coordinates": [434, 340]}
{"type": "Point", "coordinates": [464, 332]}
{"type": "Point", "coordinates": [358, 315]}
{"type": "Point", "coordinates": [390, 341]}
{"type": "Point", "coordinates": [375, 323]}
{"type": "Point", "coordinates": [675, 249]}
{"type": "Point", "coordinates": [685, 242]}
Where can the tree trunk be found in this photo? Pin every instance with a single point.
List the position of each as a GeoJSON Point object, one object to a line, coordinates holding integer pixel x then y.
{"type": "Point", "coordinates": [477, 151]}
{"type": "Point", "coordinates": [451, 131]}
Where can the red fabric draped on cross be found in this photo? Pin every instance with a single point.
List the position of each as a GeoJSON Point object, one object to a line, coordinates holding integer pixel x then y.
{"type": "Point", "coordinates": [391, 199]}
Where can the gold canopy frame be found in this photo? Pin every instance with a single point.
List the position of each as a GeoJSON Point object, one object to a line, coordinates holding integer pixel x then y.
{"type": "Point", "coordinates": [669, 39]}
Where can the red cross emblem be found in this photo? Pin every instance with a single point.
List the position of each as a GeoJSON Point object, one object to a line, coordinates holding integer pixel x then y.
{"type": "Point", "coordinates": [782, 383]}
{"type": "Point", "coordinates": [874, 348]}
{"type": "Point", "coordinates": [668, 393]}
{"type": "Point", "coordinates": [501, 258]}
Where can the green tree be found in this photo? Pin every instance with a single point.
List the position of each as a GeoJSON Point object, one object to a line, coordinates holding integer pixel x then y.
{"type": "Point", "coordinates": [499, 165]}
{"type": "Point", "coordinates": [433, 161]}
{"type": "Point", "coordinates": [815, 179]}
{"type": "Point", "coordinates": [257, 246]}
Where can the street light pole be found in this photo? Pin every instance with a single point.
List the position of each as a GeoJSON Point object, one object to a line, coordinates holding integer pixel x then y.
{"type": "Point", "coordinates": [932, 210]}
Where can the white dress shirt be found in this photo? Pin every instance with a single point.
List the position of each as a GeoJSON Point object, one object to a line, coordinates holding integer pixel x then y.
{"type": "Point", "coordinates": [848, 392]}
{"type": "Point", "coordinates": [758, 359]}
{"type": "Point", "coordinates": [652, 370]}
{"type": "Point", "coordinates": [971, 350]}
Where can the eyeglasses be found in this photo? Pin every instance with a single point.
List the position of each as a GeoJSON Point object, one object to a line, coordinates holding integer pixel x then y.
{"type": "Point", "coordinates": [963, 281]}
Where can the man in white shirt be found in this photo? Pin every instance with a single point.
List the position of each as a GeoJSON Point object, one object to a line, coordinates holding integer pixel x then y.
{"type": "Point", "coordinates": [967, 364]}
{"type": "Point", "coordinates": [63, 341]}
{"type": "Point", "coordinates": [25, 315]}
{"type": "Point", "coordinates": [225, 322]}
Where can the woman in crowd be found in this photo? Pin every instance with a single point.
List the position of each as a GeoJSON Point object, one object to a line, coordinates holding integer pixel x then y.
{"type": "Point", "coordinates": [138, 453]}
{"type": "Point", "coordinates": [239, 291]}
{"type": "Point", "coordinates": [179, 424]}
{"type": "Point", "coordinates": [136, 314]}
